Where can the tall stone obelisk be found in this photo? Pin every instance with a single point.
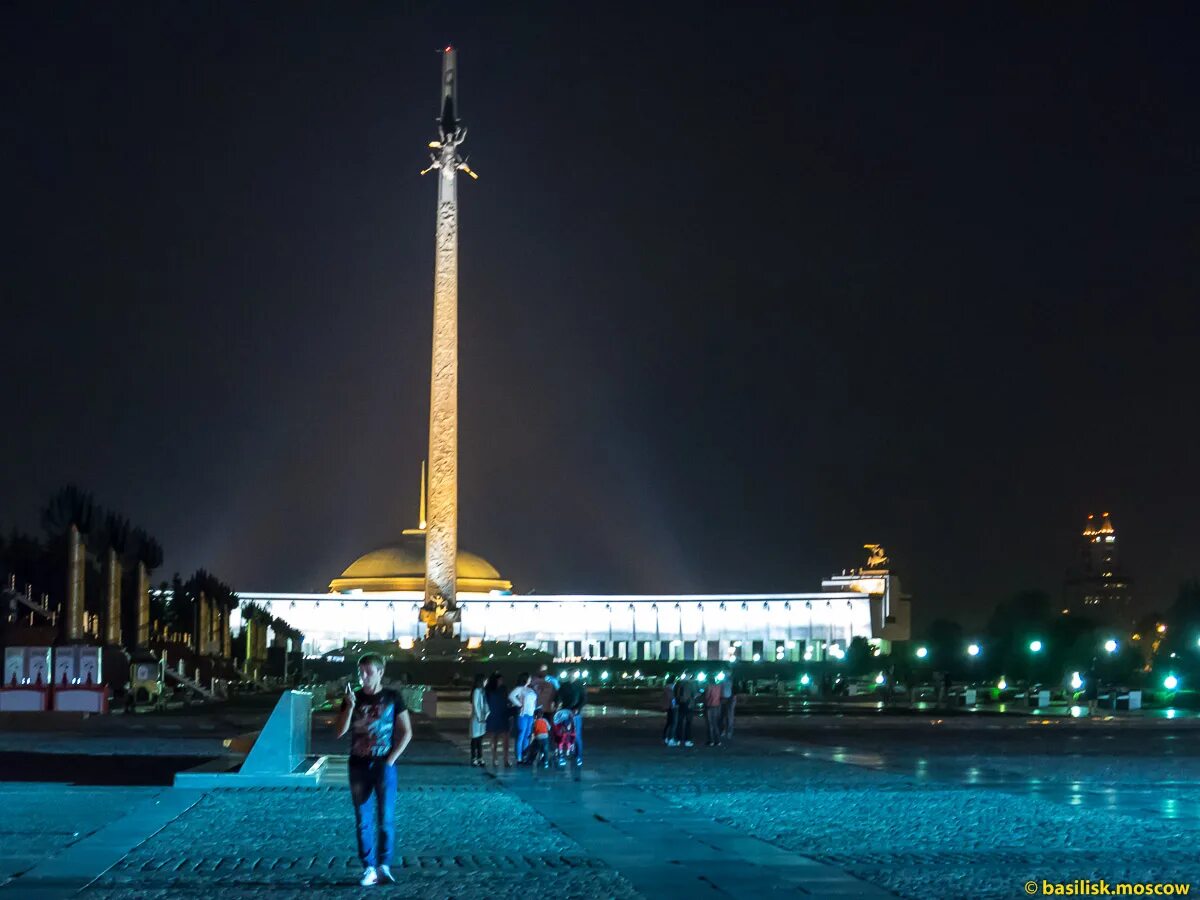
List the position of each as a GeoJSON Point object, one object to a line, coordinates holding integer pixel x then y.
{"type": "Point", "coordinates": [441, 534]}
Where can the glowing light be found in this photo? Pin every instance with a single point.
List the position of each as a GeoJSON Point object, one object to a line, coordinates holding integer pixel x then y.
{"type": "Point", "coordinates": [922, 652]}
{"type": "Point", "coordinates": [563, 675]}
{"type": "Point", "coordinates": [1002, 684]}
{"type": "Point", "coordinates": [972, 650]}
{"type": "Point", "coordinates": [1076, 681]}
{"type": "Point", "coordinates": [637, 673]}
{"type": "Point", "coordinates": [1170, 682]}
{"type": "Point", "coordinates": [720, 677]}
{"type": "Point", "coordinates": [1160, 628]}
{"type": "Point", "coordinates": [576, 675]}
{"type": "Point", "coordinates": [758, 657]}
{"type": "Point", "coordinates": [406, 643]}
{"type": "Point", "coordinates": [1110, 645]}
{"type": "Point", "coordinates": [879, 678]}
{"type": "Point", "coordinates": [805, 680]}
{"type": "Point", "coordinates": [604, 675]}
{"type": "Point", "coordinates": [1035, 646]}
{"type": "Point", "coordinates": [586, 675]}
{"type": "Point", "coordinates": [474, 643]}
{"type": "Point", "coordinates": [702, 676]}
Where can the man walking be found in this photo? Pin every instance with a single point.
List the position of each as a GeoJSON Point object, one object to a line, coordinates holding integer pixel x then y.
{"type": "Point", "coordinates": [380, 730]}
{"type": "Point", "coordinates": [525, 699]}
{"type": "Point", "coordinates": [573, 696]}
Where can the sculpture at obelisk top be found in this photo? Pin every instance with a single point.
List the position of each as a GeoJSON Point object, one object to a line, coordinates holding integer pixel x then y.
{"type": "Point", "coordinates": [440, 611]}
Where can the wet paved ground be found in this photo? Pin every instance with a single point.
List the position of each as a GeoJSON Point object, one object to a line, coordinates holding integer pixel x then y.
{"type": "Point", "coordinates": [812, 806]}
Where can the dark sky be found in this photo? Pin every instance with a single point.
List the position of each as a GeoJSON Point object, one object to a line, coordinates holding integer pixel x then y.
{"type": "Point", "coordinates": [741, 289]}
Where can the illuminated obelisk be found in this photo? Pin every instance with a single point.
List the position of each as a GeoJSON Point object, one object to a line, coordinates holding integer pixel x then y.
{"type": "Point", "coordinates": [441, 534]}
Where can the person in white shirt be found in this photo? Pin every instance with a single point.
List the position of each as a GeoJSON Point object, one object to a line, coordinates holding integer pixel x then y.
{"type": "Point", "coordinates": [524, 698]}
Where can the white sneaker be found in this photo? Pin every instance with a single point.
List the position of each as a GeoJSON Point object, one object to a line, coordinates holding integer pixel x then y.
{"type": "Point", "coordinates": [385, 874]}
{"type": "Point", "coordinates": [688, 744]}
{"type": "Point", "coordinates": [369, 878]}
{"type": "Point", "coordinates": [672, 743]}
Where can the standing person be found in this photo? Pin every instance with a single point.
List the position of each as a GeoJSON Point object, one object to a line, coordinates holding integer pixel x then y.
{"type": "Point", "coordinates": [478, 721]}
{"type": "Point", "coordinates": [727, 701]}
{"type": "Point", "coordinates": [1091, 686]}
{"type": "Point", "coordinates": [573, 697]}
{"type": "Point", "coordinates": [546, 687]}
{"type": "Point", "coordinates": [712, 713]}
{"type": "Point", "coordinates": [947, 685]}
{"type": "Point", "coordinates": [496, 695]}
{"type": "Point", "coordinates": [541, 739]}
{"type": "Point", "coordinates": [524, 698]}
{"type": "Point", "coordinates": [669, 708]}
{"type": "Point", "coordinates": [380, 730]}
{"type": "Point", "coordinates": [684, 694]}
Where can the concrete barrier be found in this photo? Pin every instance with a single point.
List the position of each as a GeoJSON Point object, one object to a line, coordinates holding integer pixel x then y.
{"type": "Point", "coordinates": [281, 755]}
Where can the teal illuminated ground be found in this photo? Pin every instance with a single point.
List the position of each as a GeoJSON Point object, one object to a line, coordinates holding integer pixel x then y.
{"type": "Point", "coordinates": [827, 806]}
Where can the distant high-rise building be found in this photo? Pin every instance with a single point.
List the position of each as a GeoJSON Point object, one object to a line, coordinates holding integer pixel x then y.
{"type": "Point", "coordinates": [1096, 586]}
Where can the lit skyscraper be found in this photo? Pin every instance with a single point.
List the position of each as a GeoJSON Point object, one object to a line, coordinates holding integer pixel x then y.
{"type": "Point", "coordinates": [1096, 586]}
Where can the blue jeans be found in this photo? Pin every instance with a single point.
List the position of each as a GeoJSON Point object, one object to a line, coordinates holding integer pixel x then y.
{"type": "Point", "coordinates": [374, 776]}
{"type": "Point", "coordinates": [524, 726]}
{"type": "Point", "coordinates": [578, 717]}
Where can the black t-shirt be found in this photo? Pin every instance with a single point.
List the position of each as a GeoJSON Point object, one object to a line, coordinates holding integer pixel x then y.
{"type": "Point", "coordinates": [572, 695]}
{"type": "Point", "coordinates": [373, 722]}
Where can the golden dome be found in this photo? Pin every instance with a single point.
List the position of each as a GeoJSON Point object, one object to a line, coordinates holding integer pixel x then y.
{"type": "Point", "coordinates": [401, 567]}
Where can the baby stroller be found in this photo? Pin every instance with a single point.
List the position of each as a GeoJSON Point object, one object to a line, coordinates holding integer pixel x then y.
{"type": "Point", "coordinates": [562, 736]}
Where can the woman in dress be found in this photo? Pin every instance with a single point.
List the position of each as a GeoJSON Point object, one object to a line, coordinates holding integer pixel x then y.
{"type": "Point", "coordinates": [497, 722]}
{"type": "Point", "coordinates": [478, 721]}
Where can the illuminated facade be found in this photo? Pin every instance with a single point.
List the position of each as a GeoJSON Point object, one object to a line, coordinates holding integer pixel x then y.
{"type": "Point", "coordinates": [772, 626]}
{"type": "Point", "coordinates": [1095, 586]}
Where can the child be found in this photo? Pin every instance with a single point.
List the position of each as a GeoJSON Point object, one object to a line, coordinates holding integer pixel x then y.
{"type": "Point", "coordinates": [541, 740]}
{"type": "Point", "coordinates": [562, 735]}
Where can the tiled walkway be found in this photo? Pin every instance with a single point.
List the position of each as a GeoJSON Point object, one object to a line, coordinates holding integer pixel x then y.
{"type": "Point", "coordinates": [791, 807]}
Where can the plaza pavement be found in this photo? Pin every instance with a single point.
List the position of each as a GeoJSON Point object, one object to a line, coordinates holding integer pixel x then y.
{"type": "Point", "coordinates": [820, 806]}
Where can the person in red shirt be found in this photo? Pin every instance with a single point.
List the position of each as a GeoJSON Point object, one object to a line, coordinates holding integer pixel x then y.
{"type": "Point", "coordinates": [541, 740]}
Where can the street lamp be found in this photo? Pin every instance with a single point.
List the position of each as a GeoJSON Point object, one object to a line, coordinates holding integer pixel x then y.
{"type": "Point", "coordinates": [922, 652]}
{"type": "Point", "coordinates": [1035, 646]}
{"type": "Point", "coordinates": [1110, 645]}
{"type": "Point", "coordinates": [972, 650]}
{"type": "Point", "coordinates": [1170, 682]}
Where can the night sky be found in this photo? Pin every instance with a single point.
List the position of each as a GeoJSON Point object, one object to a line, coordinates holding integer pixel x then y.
{"type": "Point", "coordinates": [740, 290]}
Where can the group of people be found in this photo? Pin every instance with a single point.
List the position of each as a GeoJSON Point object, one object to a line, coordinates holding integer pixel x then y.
{"type": "Point", "coordinates": [683, 696]}
{"type": "Point", "coordinates": [543, 714]}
